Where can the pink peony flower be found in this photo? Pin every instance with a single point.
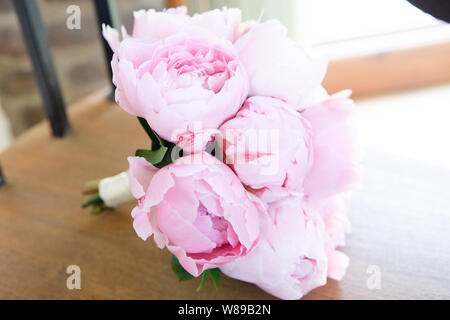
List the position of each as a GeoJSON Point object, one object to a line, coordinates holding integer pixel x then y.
{"type": "Point", "coordinates": [185, 85]}
{"type": "Point", "coordinates": [290, 259]}
{"type": "Point", "coordinates": [335, 166]}
{"type": "Point", "coordinates": [333, 212]}
{"type": "Point", "coordinates": [197, 208]}
{"type": "Point", "coordinates": [277, 67]}
{"type": "Point", "coordinates": [224, 23]}
{"type": "Point", "coordinates": [334, 173]}
{"type": "Point", "coordinates": [154, 25]}
{"type": "Point", "coordinates": [268, 144]}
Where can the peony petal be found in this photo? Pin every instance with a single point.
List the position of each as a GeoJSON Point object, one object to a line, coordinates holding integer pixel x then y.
{"type": "Point", "coordinates": [112, 37]}
{"type": "Point", "coordinates": [141, 173]}
{"type": "Point", "coordinates": [335, 166]}
{"type": "Point", "coordinates": [181, 232]}
{"type": "Point", "coordinates": [288, 74]}
{"type": "Point", "coordinates": [337, 264]}
{"type": "Point", "coordinates": [153, 25]}
{"type": "Point", "coordinates": [141, 224]}
{"type": "Point", "coordinates": [225, 23]}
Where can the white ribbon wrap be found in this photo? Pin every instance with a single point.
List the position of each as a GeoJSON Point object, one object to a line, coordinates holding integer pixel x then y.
{"type": "Point", "coordinates": [115, 190]}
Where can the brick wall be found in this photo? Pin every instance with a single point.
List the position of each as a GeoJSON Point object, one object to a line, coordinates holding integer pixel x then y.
{"type": "Point", "coordinates": [77, 54]}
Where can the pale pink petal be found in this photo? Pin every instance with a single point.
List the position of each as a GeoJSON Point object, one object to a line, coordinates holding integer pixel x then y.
{"type": "Point", "coordinates": [154, 25]}
{"type": "Point", "coordinates": [335, 166]}
{"type": "Point", "coordinates": [289, 73]}
{"type": "Point", "coordinates": [112, 37]}
{"type": "Point", "coordinates": [141, 172]}
{"type": "Point", "coordinates": [142, 226]}
{"type": "Point", "coordinates": [337, 264]}
{"type": "Point", "coordinates": [224, 23]}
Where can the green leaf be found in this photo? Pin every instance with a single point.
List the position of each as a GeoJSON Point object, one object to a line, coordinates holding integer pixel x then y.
{"type": "Point", "coordinates": [202, 282]}
{"type": "Point", "coordinates": [157, 142]}
{"type": "Point", "coordinates": [179, 271]}
{"type": "Point", "coordinates": [96, 210]}
{"type": "Point", "coordinates": [215, 276]}
{"type": "Point", "coordinates": [173, 151]}
{"type": "Point", "coordinates": [92, 184]}
{"type": "Point", "coordinates": [152, 156]}
{"type": "Point", "coordinates": [160, 154]}
{"type": "Point", "coordinates": [95, 199]}
{"type": "Point", "coordinates": [183, 275]}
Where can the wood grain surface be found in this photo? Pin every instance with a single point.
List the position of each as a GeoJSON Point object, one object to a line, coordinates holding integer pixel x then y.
{"type": "Point", "coordinates": [390, 71]}
{"type": "Point", "coordinates": [400, 216]}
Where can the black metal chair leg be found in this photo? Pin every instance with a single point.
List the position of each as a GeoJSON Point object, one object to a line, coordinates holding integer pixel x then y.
{"type": "Point", "coordinates": [107, 14]}
{"type": "Point", "coordinates": [2, 178]}
{"type": "Point", "coordinates": [40, 55]}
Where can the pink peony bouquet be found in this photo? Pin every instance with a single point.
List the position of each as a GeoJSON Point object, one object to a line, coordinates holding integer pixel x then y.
{"type": "Point", "coordinates": [252, 163]}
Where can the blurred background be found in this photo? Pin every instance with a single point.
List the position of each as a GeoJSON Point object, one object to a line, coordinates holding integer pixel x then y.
{"type": "Point", "coordinates": [394, 57]}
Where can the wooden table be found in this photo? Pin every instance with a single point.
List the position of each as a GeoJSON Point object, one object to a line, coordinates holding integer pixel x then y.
{"type": "Point", "coordinates": [400, 216]}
